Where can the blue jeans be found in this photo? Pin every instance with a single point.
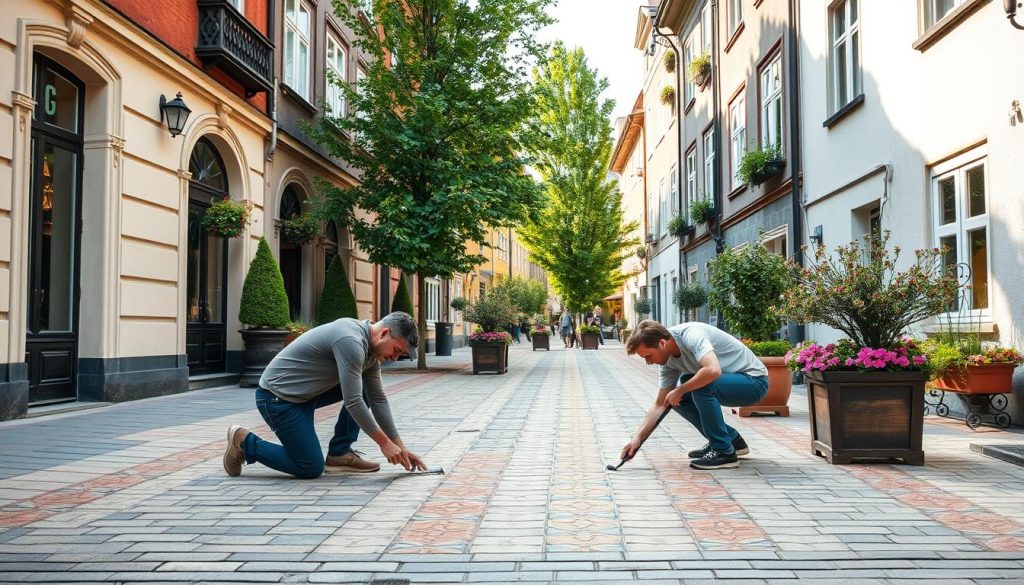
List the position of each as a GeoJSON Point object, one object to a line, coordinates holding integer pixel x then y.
{"type": "Point", "coordinates": [702, 408]}
{"type": "Point", "coordinates": [299, 453]}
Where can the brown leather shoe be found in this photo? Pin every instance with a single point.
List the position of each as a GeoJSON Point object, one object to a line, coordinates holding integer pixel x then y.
{"type": "Point", "coordinates": [233, 456]}
{"type": "Point", "coordinates": [350, 462]}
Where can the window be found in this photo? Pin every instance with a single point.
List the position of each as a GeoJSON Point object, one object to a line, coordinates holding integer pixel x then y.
{"type": "Point", "coordinates": [652, 214]}
{"type": "Point", "coordinates": [709, 165]}
{"type": "Point", "coordinates": [672, 296]}
{"type": "Point", "coordinates": [691, 176]}
{"type": "Point", "coordinates": [662, 209]}
{"type": "Point", "coordinates": [738, 137]}
{"type": "Point", "coordinates": [655, 299]}
{"type": "Point", "coordinates": [705, 28]}
{"type": "Point", "coordinates": [296, 47]}
{"type": "Point", "coordinates": [775, 241]}
{"type": "Point", "coordinates": [961, 222]}
{"type": "Point", "coordinates": [433, 299]}
{"type": "Point", "coordinates": [673, 191]}
{"type": "Point", "coordinates": [239, 5]}
{"type": "Point", "coordinates": [771, 103]}
{"type": "Point", "coordinates": [735, 15]}
{"type": "Point", "coordinates": [336, 64]}
{"type": "Point", "coordinates": [844, 77]}
{"type": "Point", "coordinates": [687, 58]}
{"type": "Point", "coordinates": [691, 314]}
{"type": "Point", "coordinates": [935, 10]}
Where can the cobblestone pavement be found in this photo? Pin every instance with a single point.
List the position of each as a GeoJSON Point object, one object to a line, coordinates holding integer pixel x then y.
{"type": "Point", "coordinates": [135, 492]}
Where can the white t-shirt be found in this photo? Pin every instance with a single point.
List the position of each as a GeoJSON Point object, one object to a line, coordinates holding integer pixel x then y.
{"type": "Point", "coordinates": [695, 340]}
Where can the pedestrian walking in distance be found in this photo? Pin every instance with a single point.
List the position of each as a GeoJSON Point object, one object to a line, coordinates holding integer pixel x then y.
{"type": "Point", "coordinates": [702, 369]}
{"type": "Point", "coordinates": [335, 362]}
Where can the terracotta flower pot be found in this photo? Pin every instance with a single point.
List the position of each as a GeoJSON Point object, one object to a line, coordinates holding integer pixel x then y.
{"type": "Point", "coordinates": [980, 379]}
{"type": "Point", "coordinates": [780, 386]}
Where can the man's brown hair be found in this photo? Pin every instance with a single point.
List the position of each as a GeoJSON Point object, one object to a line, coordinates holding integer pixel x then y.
{"type": "Point", "coordinates": [647, 333]}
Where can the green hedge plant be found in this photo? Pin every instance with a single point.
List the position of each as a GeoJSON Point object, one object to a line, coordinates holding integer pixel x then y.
{"type": "Point", "coordinates": [336, 300]}
{"type": "Point", "coordinates": [775, 348]}
{"type": "Point", "coordinates": [492, 311]}
{"type": "Point", "coordinates": [264, 302]}
{"type": "Point", "coordinates": [747, 287]}
{"type": "Point", "coordinates": [690, 296]}
{"type": "Point", "coordinates": [403, 300]}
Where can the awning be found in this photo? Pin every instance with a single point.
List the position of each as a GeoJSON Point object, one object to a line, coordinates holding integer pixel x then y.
{"type": "Point", "coordinates": [614, 297]}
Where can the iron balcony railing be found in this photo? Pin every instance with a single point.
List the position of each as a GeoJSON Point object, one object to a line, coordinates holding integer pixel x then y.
{"type": "Point", "coordinates": [229, 41]}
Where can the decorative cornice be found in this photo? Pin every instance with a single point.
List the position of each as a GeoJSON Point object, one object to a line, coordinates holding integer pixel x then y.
{"type": "Point", "coordinates": [78, 21]}
{"type": "Point", "coordinates": [223, 114]}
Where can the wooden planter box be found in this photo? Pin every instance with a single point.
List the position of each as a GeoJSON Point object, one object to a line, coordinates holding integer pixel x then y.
{"type": "Point", "coordinates": [866, 415]}
{"type": "Point", "coordinates": [590, 340]}
{"type": "Point", "coordinates": [981, 379]}
{"type": "Point", "coordinates": [490, 357]}
{"type": "Point", "coordinates": [541, 341]}
{"type": "Point", "coordinates": [780, 387]}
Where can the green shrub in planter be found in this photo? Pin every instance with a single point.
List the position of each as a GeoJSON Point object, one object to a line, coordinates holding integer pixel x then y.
{"type": "Point", "coordinates": [700, 69]}
{"type": "Point", "coordinates": [225, 218]}
{"type": "Point", "coordinates": [670, 61]}
{"type": "Point", "coordinates": [589, 329]}
{"type": "Point", "coordinates": [643, 306]}
{"type": "Point", "coordinates": [403, 300]}
{"type": "Point", "coordinates": [300, 230]}
{"type": "Point", "coordinates": [701, 211]}
{"type": "Point", "coordinates": [459, 304]}
{"type": "Point", "coordinates": [668, 95]}
{"type": "Point", "coordinates": [690, 296]}
{"type": "Point", "coordinates": [747, 287]}
{"type": "Point", "coordinates": [775, 348]}
{"type": "Point", "coordinates": [264, 302]}
{"type": "Point", "coordinates": [492, 311]}
{"type": "Point", "coordinates": [757, 166]}
{"type": "Point", "coordinates": [677, 226]}
{"type": "Point", "coordinates": [336, 300]}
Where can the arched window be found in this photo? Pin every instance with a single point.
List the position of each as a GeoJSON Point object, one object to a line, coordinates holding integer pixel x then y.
{"type": "Point", "coordinates": [290, 257]}
{"type": "Point", "coordinates": [207, 168]}
{"type": "Point", "coordinates": [290, 204]}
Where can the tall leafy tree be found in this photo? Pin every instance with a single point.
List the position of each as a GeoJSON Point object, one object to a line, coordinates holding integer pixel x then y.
{"type": "Point", "coordinates": [527, 295]}
{"type": "Point", "coordinates": [579, 237]}
{"type": "Point", "coordinates": [434, 128]}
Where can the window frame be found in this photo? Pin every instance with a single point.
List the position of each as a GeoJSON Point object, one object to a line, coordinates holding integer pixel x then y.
{"type": "Point", "coordinates": [673, 190]}
{"type": "Point", "coordinates": [957, 168]}
{"type": "Point", "coordinates": [291, 25]}
{"type": "Point", "coordinates": [706, 28]}
{"type": "Point", "coordinates": [734, 10]}
{"type": "Point", "coordinates": [765, 99]}
{"type": "Point", "coordinates": [737, 136]}
{"type": "Point", "coordinates": [333, 93]}
{"type": "Point", "coordinates": [708, 138]}
{"type": "Point", "coordinates": [433, 300]}
{"type": "Point", "coordinates": [851, 38]}
{"type": "Point", "coordinates": [662, 209]}
{"type": "Point", "coordinates": [689, 92]}
{"type": "Point", "coordinates": [692, 190]}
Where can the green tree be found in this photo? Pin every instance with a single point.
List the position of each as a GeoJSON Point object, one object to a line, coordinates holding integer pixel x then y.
{"type": "Point", "coordinates": [403, 300]}
{"type": "Point", "coordinates": [264, 302]}
{"type": "Point", "coordinates": [526, 295]}
{"type": "Point", "coordinates": [336, 300]}
{"type": "Point", "coordinates": [580, 237]}
{"type": "Point", "coordinates": [437, 124]}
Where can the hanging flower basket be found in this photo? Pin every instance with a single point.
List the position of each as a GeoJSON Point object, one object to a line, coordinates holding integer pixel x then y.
{"type": "Point", "coordinates": [300, 230]}
{"type": "Point", "coordinates": [670, 61]}
{"type": "Point", "coordinates": [700, 69]}
{"type": "Point", "coordinates": [226, 218]}
{"type": "Point", "coordinates": [668, 95]}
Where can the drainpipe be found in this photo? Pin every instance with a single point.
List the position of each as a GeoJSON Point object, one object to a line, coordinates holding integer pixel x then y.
{"type": "Point", "coordinates": [716, 128]}
{"type": "Point", "coordinates": [269, 154]}
{"type": "Point", "coordinates": [796, 331]}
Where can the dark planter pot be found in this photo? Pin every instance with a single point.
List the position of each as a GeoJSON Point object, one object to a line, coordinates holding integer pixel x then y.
{"type": "Point", "coordinates": [541, 341]}
{"type": "Point", "coordinates": [490, 358]}
{"type": "Point", "coordinates": [590, 340]}
{"type": "Point", "coordinates": [780, 387]}
{"type": "Point", "coordinates": [261, 345]}
{"type": "Point", "coordinates": [771, 169]}
{"type": "Point", "coordinates": [866, 415]}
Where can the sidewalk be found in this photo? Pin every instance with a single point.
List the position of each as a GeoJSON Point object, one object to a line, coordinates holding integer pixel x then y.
{"type": "Point", "coordinates": [135, 492]}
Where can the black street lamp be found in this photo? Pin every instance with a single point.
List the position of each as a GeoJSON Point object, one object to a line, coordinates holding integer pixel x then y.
{"type": "Point", "coordinates": [175, 113]}
{"type": "Point", "coordinates": [1011, 6]}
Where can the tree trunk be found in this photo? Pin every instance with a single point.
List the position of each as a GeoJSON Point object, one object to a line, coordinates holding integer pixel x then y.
{"type": "Point", "coordinates": [421, 321]}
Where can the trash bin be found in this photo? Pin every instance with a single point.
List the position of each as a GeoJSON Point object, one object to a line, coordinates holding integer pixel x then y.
{"type": "Point", "coordinates": [442, 338]}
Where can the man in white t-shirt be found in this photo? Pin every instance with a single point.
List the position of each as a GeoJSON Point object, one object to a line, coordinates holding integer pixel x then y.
{"type": "Point", "coordinates": [702, 369]}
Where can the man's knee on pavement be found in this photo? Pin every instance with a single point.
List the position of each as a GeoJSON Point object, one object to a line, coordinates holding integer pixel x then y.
{"type": "Point", "coordinates": [311, 469]}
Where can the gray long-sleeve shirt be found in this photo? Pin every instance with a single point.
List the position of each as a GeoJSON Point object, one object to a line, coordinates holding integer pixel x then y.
{"type": "Point", "coordinates": [325, 356]}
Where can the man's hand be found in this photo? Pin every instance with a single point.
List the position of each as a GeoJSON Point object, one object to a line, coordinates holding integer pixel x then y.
{"type": "Point", "coordinates": [674, 397]}
{"type": "Point", "coordinates": [417, 463]}
{"type": "Point", "coordinates": [629, 451]}
{"type": "Point", "coordinates": [395, 454]}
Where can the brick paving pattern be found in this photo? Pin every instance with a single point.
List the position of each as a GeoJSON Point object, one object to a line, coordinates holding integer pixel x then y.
{"type": "Point", "coordinates": [135, 493]}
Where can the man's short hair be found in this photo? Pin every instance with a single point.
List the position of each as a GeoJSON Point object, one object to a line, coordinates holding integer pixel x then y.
{"type": "Point", "coordinates": [647, 333]}
{"type": "Point", "coordinates": [403, 326]}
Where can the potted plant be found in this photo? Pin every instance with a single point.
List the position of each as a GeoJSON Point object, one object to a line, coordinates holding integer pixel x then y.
{"type": "Point", "coordinates": [225, 218]}
{"type": "Point", "coordinates": [300, 229]}
{"type": "Point", "coordinates": [757, 166]}
{"type": "Point", "coordinates": [590, 336]}
{"type": "Point", "coordinates": [690, 296]}
{"type": "Point", "coordinates": [264, 309]}
{"type": "Point", "coordinates": [702, 211]}
{"type": "Point", "coordinates": [643, 306]}
{"type": "Point", "coordinates": [540, 336]}
{"type": "Point", "coordinates": [866, 394]}
{"type": "Point", "coordinates": [746, 287]}
{"type": "Point", "coordinates": [459, 304]}
{"type": "Point", "coordinates": [966, 367]}
{"type": "Point", "coordinates": [677, 226]}
{"type": "Point", "coordinates": [700, 69]}
{"type": "Point", "coordinates": [668, 95]}
{"type": "Point", "coordinates": [489, 344]}
{"type": "Point", "coordinates": [296, 329]}
{"type": "Point", "coordinates": [670, 61]}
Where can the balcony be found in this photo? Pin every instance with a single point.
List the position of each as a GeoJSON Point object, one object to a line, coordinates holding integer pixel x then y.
{"type": "Point", "coordinates": [227, 40]}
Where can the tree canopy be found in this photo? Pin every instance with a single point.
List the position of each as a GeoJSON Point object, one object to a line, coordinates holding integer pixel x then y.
{"type": "Point", "coordinates": [579, 237]}
{"type": "Point", "coordinates": [526, 295]}
{"type": "Point", "coordinates": [434, 128]}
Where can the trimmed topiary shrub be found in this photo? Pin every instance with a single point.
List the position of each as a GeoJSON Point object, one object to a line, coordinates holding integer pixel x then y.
{"type": "Point", "coordinates": [264, 303]}
{"type": "Point", "coordinates": [403, 300]}
{"type": "Point", "coordinates": [336, 300]}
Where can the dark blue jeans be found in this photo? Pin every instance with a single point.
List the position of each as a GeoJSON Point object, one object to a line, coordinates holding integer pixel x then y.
{"type": "Point", "coordinates": [702, 408]}
{"type": "Point", "coordinates": [299, 453]}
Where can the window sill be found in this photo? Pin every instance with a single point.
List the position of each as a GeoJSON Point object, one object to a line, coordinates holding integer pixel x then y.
{"type": "Point", "coordinates": [735, 35]}
{"type": "Point", "coordinates": [736, 192]}
{"type": "Point", "coordinates": [966, 327]}
{"type": "Point", "coordinates": [298, 100]}
{"type": "Point", "coordinates": [843, 111]}
{"type": "Point", "coordinates": [947, 24]}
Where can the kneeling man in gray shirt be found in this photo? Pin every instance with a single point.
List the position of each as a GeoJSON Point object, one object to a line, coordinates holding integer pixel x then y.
{"type": "Point", "coordinates": [335, 362]}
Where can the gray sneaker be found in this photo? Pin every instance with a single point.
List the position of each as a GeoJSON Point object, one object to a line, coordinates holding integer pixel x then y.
{"type": "Point", "coordinates": [350, 462]}
{"type": "Point", "coordinates": [738, 444]}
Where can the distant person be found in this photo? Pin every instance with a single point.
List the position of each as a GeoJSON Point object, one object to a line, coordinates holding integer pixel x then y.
{"type": "Point", "coordinates": [597, 321]}
{"type": "Point", "coordinates": [566, 327]}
